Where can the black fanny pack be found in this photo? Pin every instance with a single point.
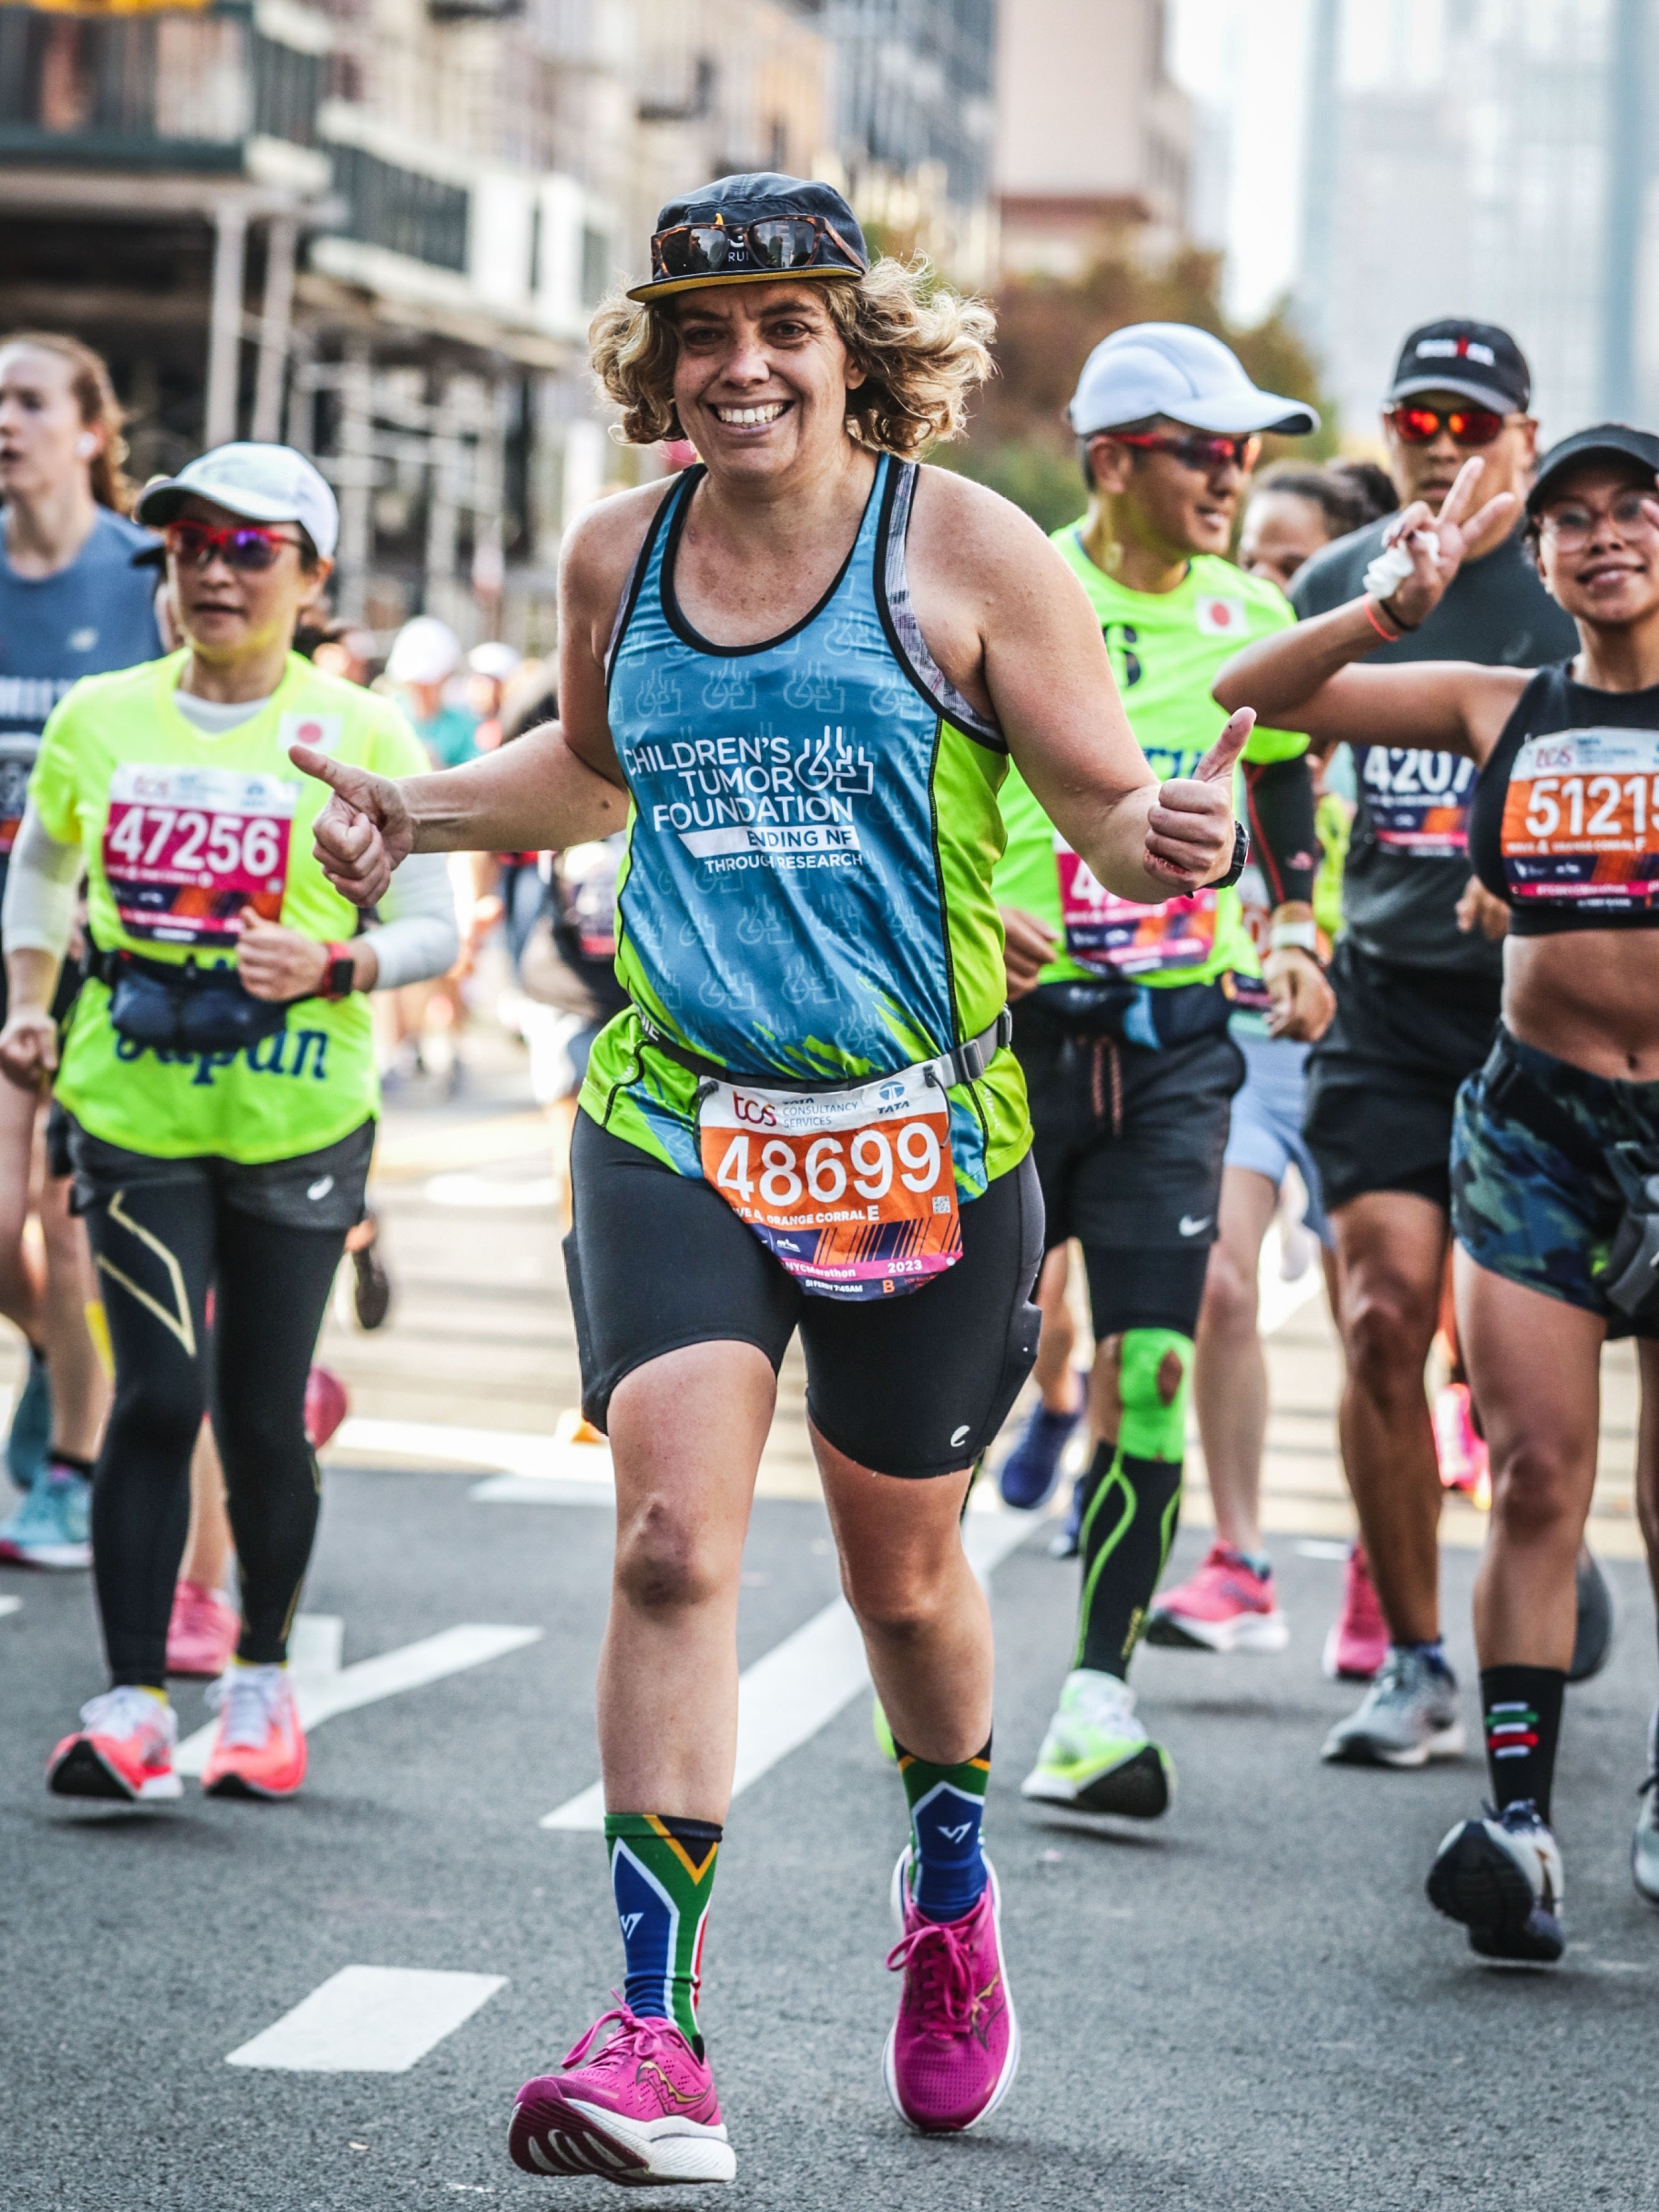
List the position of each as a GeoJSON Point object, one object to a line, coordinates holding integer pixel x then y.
{"type": "Point", "coordinates": [1629, 1277]}
{"type": "Point", "coordinates": [185, 1008]}
{"type": "Point", "coordinates": [1131, 1012]}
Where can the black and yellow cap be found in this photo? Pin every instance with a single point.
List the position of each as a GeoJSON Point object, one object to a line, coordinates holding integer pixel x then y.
{"type": "Point", "coordinates": [761, 196]}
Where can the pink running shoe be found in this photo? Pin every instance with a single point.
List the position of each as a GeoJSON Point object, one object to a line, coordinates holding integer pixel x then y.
{"type": "Point", "coordinates": [326, 1406]}
{"type": "Point", "coordinates": [1461, 1453]}
{"type": "Point", "coordinates": [954, 2048]}
{"type": "Point", "coordinates": [642, 2111]}
{"type": "Point", "coordinates": [1358, 1640]}
{"type": "Point", "coordinates": [202, 1633]}
{"type": "Point", "coordinates": [1226, 1606]}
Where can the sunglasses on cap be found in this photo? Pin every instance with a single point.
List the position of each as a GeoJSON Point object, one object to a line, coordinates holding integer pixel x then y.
{"type": "Point", "coordinates": [246, 546]}
{"type": "Point", "coordinates": [776, 244]}
{"type": "Point", "coordinates": [1197, 449]}
{"type": "Point", "coordinates": [1413, 425]}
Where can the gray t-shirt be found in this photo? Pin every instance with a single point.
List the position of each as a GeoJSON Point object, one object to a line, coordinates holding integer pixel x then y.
{"type": "Point", "coordinates": [1408, 861]}
{"type": "Point", "coordinates": [96, 615]}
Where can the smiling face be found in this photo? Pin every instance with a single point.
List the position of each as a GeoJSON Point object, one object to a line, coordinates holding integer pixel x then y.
{"type": "Point", "coordinates": [1163, 504]}
{"type": "Point", "coordinates": [1282, 530]}
{"type": "Point", "coordinates": [761, 378]}
{"type": "Point", "coordinates": [41, 426]}
{"type": "Point", "coordinates": [231, 614]}
{"type": "Point", "coordinates": [1598, 543]}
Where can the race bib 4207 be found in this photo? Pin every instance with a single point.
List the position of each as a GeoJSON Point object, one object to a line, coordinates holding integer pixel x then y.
{"type": "Point", "coordinates": [1419, 801]}
{"type": "Point", "coordinates": [1580, 819]}
{"type": "Point", "coordinates": [186, 848]}
{"type": "Point", "coordinates": [854, 1191]}
{"type": "Point", "coordinates": [1117, 937]}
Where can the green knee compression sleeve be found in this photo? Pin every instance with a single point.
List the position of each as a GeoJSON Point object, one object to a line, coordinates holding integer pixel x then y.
{"type": "Point", "coordinates": [1131, 1499]}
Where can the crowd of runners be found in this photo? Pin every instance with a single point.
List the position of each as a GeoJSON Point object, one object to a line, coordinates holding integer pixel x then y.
{"type": "Point", "coordinates": [933, 903]}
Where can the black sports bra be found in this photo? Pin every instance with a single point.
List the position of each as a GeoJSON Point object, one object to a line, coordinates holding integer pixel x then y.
{"type": "Point", "coordinates": [1564, 826]}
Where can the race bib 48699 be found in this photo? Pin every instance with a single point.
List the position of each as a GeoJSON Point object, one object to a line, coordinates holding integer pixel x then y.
{"type": "Point", "coordinates": [186, 848]}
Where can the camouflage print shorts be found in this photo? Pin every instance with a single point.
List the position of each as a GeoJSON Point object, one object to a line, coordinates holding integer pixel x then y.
{"type": "Point", "coordinates": [1523, 1206]}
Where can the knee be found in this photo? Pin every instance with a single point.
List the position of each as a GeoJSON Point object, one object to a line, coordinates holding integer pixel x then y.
{"type": "Point", "coordinates": [1230, 1297]}
{"type": "Point", "coordinates": [1538, 1493]}
{"type": "Point", "coordinates": [1386, 1338]}
{"type": "Point", "coordinates": [663, 1563]}
{"type": "Point", "coordinates": [1154, 1370]}
{"type": "Point", "coordinates": [898, 1599]}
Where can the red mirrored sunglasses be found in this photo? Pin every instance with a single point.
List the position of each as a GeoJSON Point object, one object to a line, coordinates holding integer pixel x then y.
{"type": "Point", "coordinates": [247, 546]}
{"type": "Point", "coordinates": [1469, 425]}
{"type": "Point", "coordinates": [1194, 449]}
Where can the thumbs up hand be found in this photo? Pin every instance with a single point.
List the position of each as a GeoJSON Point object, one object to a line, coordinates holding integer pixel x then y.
{"type": "Point", "coordinates": [1190, 829]}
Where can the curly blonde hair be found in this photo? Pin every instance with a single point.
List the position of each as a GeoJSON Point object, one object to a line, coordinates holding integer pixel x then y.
{"type": "Point", "coordinates": [923, 351]}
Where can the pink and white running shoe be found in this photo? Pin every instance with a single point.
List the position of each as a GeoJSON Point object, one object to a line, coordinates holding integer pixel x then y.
{"type": "Point", "coordinates": [1358, 1640]}
{"type": "Point", "coordinates": [1226, 1606]}
{"type": "Point", "coordinates": [640, 2112]}
{"type": "Point", "coordinates": [1463, 1454]}
{"type": "Point", "coordinates": [202, 1633]}
{"type": "Point", "coordinates": [954, 2048]}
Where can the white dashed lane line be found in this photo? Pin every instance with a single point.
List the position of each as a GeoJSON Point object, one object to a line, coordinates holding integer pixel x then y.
{"type": "Point", "coordinates": [369, 2020]}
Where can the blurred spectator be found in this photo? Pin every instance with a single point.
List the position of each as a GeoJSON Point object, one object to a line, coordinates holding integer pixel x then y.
{"type": "Point", "coordinates": [349, 654]}
{"type": "Point", "coordinates": [490, 669]}
{"type": "Point", "coordinates": [1293, 509]}
{"type": "Point", "coordinates": [425, 654]}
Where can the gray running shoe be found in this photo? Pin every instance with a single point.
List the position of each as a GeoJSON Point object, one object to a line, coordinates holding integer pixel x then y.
{"type": "Point", "coordinates": [1644, 1845]}
{"type": "Point", "coordinates": [1593, 1637]}
{"type": "Point", "coordinates": [1406, 1717]}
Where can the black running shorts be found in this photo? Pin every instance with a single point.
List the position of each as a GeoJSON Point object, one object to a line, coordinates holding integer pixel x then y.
{"type": "Point", "coordinates": [913, 1385]}
{"type": "Point", "coordinates": [1383, 1081]}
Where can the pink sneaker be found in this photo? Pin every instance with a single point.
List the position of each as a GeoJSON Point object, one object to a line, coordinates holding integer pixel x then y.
{"type": "Point", "coordinates": [326, 1406]}
{"type": "Point", "coordinates": [954, 2048]}
{"type": "Point", "coordinates": [1358, 1640]}
{"type": "Point", "coordinates": [1461, 1453]}
{"type": "Point", "coordinates": [643, 2110]}
{"type": "Point", "coordinates": [1226, 1606]}
{"type": "Point", "coordinates": [202, 1633]}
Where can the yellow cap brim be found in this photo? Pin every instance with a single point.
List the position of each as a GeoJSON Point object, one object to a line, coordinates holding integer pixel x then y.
{"type": "Point", "coordinates": [663, 286]}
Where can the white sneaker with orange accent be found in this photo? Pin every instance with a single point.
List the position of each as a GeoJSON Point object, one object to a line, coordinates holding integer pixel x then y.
{"type": "Point", "coordinates": [123, 1749]}
{"type": "Point", "coordinates": [259, 1748]}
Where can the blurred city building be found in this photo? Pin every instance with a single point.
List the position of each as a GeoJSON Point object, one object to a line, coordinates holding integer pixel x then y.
{"type": "Point", "coordinates": [379, 228]}
{"type": "Point", "coordinates": [1464, 156]}
{"type": "Point", "coordinates": [1094, 141]}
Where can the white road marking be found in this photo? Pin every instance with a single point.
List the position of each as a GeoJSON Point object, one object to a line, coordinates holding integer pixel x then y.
{"type": "Point", "coordinates": [9, 1605]}
{"type": "Point", "coordinates": [485, 1192]}
{"type": "Point", "coordinates": [369, 2020]}
{"type": "Point", "coordinates": [325, 1688]}
{"type": "Point", "coordinates": [1321, 1547]}
{"type": "Point", "coordinates": [526, 1459]}
{"type": "Point", "coordinates": [802, 1683]}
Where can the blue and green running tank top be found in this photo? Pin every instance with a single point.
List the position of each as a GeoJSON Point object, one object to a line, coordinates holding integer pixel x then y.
{"type": "Point", "coordinates": [806, 893]}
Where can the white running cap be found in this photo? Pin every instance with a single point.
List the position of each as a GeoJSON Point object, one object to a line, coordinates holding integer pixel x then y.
{"type": "Point", "coordinates": [1174, 369]}
{"type": "Point", "coordinates": [261, 483]}
{"type": "Point", "coordinates": [425, 651]}
{"type": "Point", "coordinates": [496, 660]}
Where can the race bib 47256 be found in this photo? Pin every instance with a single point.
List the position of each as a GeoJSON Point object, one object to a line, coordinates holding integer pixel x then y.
{"type": "Point", "coordinates": [1419, 801]}
{"type": "Point", "coordinates": [186, 848]}
{"type": "Point", "coordinates": [1119, 938]}
{"type": "Point", "coordinates": [1580, 819]}
{"type": "Point", "coordinates": [854, 1191]}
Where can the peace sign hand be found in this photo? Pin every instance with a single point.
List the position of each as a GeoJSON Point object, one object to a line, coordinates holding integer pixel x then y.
{"type": "Point", "coordinates": [1438, 544]}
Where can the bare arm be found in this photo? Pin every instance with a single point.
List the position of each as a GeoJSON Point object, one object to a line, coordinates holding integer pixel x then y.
{"type": "Point", "coordinates": [1011, 627]}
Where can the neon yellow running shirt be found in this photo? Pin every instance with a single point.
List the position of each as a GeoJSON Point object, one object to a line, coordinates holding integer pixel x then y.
{"type": "Point", "coordinates": [1165, 648]}
{"type": "Point", "coordinates": [178, 829]}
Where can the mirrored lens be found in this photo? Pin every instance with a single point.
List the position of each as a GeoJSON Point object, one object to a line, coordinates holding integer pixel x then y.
{"type": "Point", "coordinates": [697, 249]}
{"type": "Point", "coordinates": [1469, 425]}
{"type": "Point", "coordinates": [196, 543]}
{"type": "Point", "coordinates": [783, 242]}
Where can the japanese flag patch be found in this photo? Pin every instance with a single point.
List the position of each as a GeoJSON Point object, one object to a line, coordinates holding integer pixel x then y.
{"type": "Point", "coordinates": [322, 732]}
{"type": "Point", "coordinates": [1220, 617]}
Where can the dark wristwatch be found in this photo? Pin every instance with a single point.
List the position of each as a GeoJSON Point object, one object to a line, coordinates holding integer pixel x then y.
{"type": "Point", "coordinates": [340, 976]}
{"type": "Point", "coordinates": [1240, 854]}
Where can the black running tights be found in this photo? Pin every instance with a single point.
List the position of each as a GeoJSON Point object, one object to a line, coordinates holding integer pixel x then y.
{"type": "Point", "coordinates": [159, 1247]}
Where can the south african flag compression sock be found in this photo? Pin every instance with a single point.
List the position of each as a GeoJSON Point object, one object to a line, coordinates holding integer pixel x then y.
{"type": "Point", "coordinates": [1520, 1707]}
{"type": "Point", "coordinates": [947, 1804]}
{"type": "Point", "coordinates": [661, 1876]}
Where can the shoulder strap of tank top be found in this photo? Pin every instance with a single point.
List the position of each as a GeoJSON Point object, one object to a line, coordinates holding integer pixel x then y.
{"type": "Point", "coordinates": [654, 538]}
{"type": "Point", "coordinates": [904, 632]}
{"type": "Point", "coordinates": [1541, 707]}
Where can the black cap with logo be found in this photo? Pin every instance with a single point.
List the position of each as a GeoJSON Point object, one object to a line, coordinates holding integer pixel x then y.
{"type": "Point", "coordinates": [1476, 360]}
{"type": "Point", "coordinates": [1606, 441]}
{"type": "Point", "coordinates": [753, 229]}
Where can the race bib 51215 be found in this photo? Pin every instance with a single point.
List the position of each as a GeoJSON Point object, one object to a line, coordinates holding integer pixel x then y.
{"type": "Point", "coordinates": [1117, 937]}
{"type": "Point", "coordinates": [854, 1191]}
{"type": "Point", "coordinates": [186, 848]}
{"type": "Point", "coordinates": [1580, 819]}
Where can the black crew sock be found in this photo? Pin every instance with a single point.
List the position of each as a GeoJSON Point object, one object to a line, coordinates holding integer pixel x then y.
{"type": "Point", "coordinates": [69, 1462]}
{"type": "Point", "coordinates": [1521, 1709]}
{"type": "Point", "coordinates": [1129, 1520]}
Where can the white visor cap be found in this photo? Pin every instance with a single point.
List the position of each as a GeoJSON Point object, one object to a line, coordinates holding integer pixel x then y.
{"type": "Point", "coordinates": [261, 483]}
{"type": "Point", "coordinates": [425, 651]}
{"type": "Point", "coordinates": [1175, 370]}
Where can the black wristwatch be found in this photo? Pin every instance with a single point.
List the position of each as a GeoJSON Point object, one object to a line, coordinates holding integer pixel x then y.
{"type": "Point", "coordinates": [1240, 854]}
{"type": "Point", "coordinates": [340, 976]}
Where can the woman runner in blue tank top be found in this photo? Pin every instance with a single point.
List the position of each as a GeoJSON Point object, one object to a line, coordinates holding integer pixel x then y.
{"type": "Point", "coordinates": [1555, 1145]}
{"type": "Point", "coordinates": [801, 667]}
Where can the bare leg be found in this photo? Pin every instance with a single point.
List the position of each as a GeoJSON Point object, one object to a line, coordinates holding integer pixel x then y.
{"type": "Point", "coordinates": [1052, 1373]}
{"type": "Point", "coordinates": [687, 1432]}
{"type": "Point", "coordinates": [1230, 1375]}
{"type": "Point", "coordinates": [925, 1621]}
{"type": "Point", "coordinates": [80, 1388]}
{"type": "Point", "coordinates": [209, 1547]}
{"type": "Point", "coordinates": [1392, 1247]}
{"type": "Point", "coordinates": [1647, 1458]}
{"type": "Point", "coordinates": [1534, 1363]}
{"type": "Point", "coordinates": [22, 1285]}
